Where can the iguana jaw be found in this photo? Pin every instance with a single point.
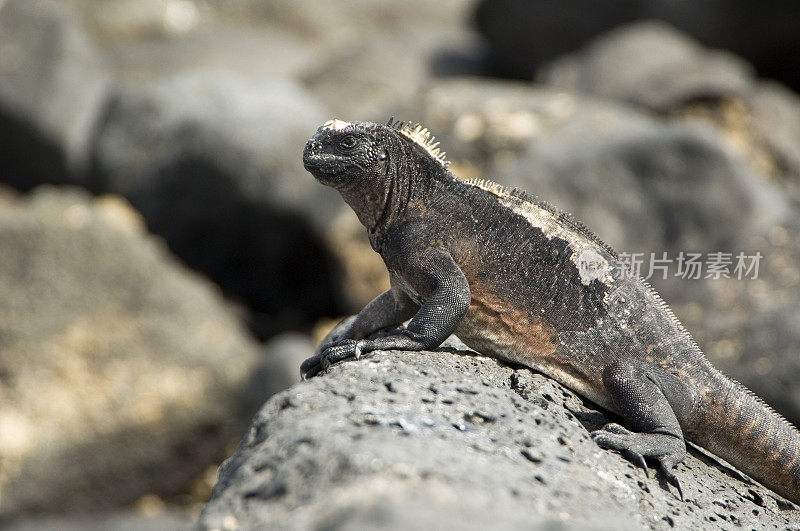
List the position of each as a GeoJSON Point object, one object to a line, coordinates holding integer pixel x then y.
{"type": "Point", "coordinates": [327, 168]}
{"type": "Point", "coordinates": [353, 179]}
{"type": "Point", "coordinates": [322, 163]}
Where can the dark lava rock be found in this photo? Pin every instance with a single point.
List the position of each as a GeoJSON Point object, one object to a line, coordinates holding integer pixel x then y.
{"type": "Point", "coordinates": [655, 67]}
{"type": "Point", "coordinates": [525, 34]}
{"type": "Point", "coordinates": [668, 188]}
{"type": "Point", "coordinates": [649, 64]}
{"type": "Point", "coordinates": [121, 373]}
{"type": "Point", "coordinates": [212, 159]}
{"type": "Point", "coordinates": [447, 439]}
{"type": "Point", "coordinates": [52, 88]}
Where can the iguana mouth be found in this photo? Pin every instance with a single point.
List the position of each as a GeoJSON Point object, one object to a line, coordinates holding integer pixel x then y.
{"type": "Point", "coordinates": [317, 161]}
{"type": "Point", "coordinates": [322, 163]}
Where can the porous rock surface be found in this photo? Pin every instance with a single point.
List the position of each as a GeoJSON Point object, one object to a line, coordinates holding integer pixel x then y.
{"type": "Point", "coordinates": [431, 440]}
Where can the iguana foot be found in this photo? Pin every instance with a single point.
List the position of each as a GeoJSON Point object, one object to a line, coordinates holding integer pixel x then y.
{"type": "Point", "coordinates": [343, 349]}
{"type": "Point", "coordinates": [328, 355]}
{"type": "Point", "coordinates": [668, 450]}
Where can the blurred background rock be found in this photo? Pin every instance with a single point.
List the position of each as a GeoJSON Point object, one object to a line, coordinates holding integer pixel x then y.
{"type": "Point", "coordinates": [165, 259]}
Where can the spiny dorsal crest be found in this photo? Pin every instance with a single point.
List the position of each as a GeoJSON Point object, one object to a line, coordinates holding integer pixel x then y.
{"type": "Point", "coordinates": [421, 137]}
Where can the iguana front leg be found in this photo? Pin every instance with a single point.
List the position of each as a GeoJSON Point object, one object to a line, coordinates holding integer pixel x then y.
{"type": "Point", "coordinates": [391, 307]}
{"type": "Point", "coordinates": [434, 273]}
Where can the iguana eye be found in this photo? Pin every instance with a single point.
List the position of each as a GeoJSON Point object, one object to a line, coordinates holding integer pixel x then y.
{"type": "Point", "coordinates": [348, 142]}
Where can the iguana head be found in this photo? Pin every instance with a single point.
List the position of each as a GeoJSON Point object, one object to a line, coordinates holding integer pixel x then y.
{"type": "Point", "coordinates": [371, 164]}
{"type": "Point", "coordinates": [343, 153]}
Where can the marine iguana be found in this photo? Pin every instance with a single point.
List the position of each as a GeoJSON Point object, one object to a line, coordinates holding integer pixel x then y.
{"type": "Point", "coordinates": [520, 280]}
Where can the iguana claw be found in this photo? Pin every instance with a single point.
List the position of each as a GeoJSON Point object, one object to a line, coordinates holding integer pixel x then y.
{"type": "Point", "coordinates": [667, 450]}
{"type": "Point", "coordinates": [328, 355]}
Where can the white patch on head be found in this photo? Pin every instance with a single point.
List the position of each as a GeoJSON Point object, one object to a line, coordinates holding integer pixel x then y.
{"type": "Point", "coordinates": [553, 228]}
{"type": "Point", "coordinates": [336, 124]}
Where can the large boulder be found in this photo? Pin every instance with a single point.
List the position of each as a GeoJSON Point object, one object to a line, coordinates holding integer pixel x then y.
{"type": "Point", "coordinates": [525, 34]}
{"type": "Point", "coordinates": [649, 64]}
{"type": "Point", "coordinates": [121, 373]}
{"type": "Point", "coordinates": [658, 68]}
{"type": "Point", "coordinates": [212, 159]}
{"type": "Point", "coordinates": [53, 86]}
{"type": "Point", "coordinates": [451, 439]}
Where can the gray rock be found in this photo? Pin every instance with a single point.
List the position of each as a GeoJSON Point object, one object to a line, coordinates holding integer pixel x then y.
{"type": "Point", "coordinates": [252, 126]}
{"type": "Point", "coordinates": [649, 64]}
{"type": "Point", "coordinates": [525, 34]}
{"type": "Point", "coordinates": [658, 68]}
{"type": "Point", "coordinates": [669, 188]}
{"type": "Point", "coordinates": [775, 122]}
{"type": "Point", "coordinates": [448, 439]}
{"type": "Point", "coordinates": [121, 374]}
{"type": "Point", "coordinates": [213, 161]}
{"type": "Point", "coordinates": [640, 183]}
{"type": "Point", "coordinates": [50, 98]}
{"type": "Point", "coordinates": [764, 33]}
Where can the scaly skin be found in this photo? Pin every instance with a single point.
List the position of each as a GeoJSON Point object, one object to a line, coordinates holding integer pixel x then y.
{"type": "Point", "coordinates": [517, 279]}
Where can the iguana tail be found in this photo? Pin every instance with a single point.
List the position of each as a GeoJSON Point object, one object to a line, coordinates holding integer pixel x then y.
{"type": "Point", "coordinates": [740, 428]}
